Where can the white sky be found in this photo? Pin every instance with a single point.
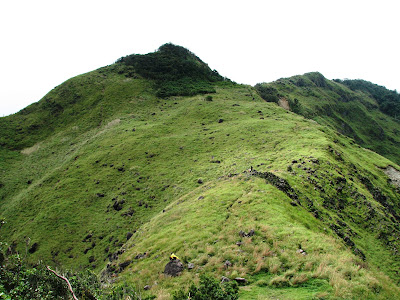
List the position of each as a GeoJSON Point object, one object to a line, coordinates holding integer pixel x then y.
{"type": "Point", "coordinates": [43, 43]}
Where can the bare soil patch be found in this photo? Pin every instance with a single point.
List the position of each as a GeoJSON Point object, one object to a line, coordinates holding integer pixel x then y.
{"type": "Point", "coordinates": [30, 150]}
{"type": "Point", "coordinates": [282, 102]}
{"type": "Point", "coordinates": [393, 174]}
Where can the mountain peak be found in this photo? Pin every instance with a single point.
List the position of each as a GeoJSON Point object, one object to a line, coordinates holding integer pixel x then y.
{"type": "Point", "coordinates": [176, 71]}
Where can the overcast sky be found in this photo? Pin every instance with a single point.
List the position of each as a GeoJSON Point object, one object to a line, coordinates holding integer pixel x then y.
{"type": "Point", "coordinates": [43, 43]}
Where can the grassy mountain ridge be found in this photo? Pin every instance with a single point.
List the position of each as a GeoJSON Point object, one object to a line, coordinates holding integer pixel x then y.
{"type": "Point", "coordinates": [389, 101]}
{"type": "Point", "coordinates": [103, 173]}
{"type": "Point", "coordinates": [353, 113]}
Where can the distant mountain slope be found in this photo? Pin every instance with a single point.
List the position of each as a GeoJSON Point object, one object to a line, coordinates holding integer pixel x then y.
{"type": "Point", "coordinates": [105, 174]}
{"type": "Point", "coordinates": [358, 114]}
{"type": "Point", "coordinates": [389, 101]}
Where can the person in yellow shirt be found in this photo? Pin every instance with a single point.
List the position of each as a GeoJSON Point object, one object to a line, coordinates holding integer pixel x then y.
{"type": "Point", "coordinates": [173, 257]}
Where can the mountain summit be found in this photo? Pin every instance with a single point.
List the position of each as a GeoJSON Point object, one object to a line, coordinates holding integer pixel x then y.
{"type": "Point", "coordinates": [176, 70]}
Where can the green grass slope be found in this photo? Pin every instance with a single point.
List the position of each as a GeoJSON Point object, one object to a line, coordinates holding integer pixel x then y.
{"type": "Point", "coordinates": [357, 113]}
{"type": "Point", "coordinates": [105, 174]}
{"type": "Point", "coordinates": [204, 225]}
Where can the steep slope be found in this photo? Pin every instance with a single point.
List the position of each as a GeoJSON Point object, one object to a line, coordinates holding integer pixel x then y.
{"type": "Point", "coordinates": [310, 189]}
{"type": "Point", "coordinates": [389, 101]}
{"type": "Point", "coordinates": [89, 99]}
{"type": "Point", "coordinates": [122, 176]}
{"type": "Point", "coordinates": [358, 114]}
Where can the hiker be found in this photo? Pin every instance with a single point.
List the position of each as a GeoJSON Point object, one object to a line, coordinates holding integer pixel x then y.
{"type": "Point", "coordinates": [173, 257]}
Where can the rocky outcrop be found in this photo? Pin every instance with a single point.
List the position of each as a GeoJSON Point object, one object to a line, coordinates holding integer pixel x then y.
{"type": "Point", "coordinates": [173, 268]}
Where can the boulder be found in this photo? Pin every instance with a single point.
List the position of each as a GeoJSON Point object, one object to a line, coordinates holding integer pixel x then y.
{"type": "Point", "coordinates": [129, 235]}
{"type": "Point", "coordinates": [33, 248]}
{"type": "Point", "coordinates": [122, 266]}
{"type": "Point", "coordinates": [225, 279]}
{"type": "Point", "coordinates": [173, 268]}
{"type": "Point", "coordinates": [240, 280]}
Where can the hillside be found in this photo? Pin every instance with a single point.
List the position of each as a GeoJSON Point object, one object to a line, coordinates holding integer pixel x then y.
{"type": "Point", "coordinates": [108, 173]}
{"type": "Point", "coordinates": [358, 109]}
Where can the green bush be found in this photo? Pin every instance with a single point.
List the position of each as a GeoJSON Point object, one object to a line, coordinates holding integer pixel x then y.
{"type": "Point", "coordinates": [21, 281]}
{"type": "Point", "coordinates": [389, 101]}
{"type": "Point", "coordinates": [209, 288]}
{"type": "Point", "coordinates": [268, 93]}
{"type": "Point", "coordinates": [125, 292]}
{"type": "Point", "coordinates": [175, 70]}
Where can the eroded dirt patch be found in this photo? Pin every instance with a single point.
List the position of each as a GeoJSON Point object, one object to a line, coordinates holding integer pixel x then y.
{"type": "Point", "coordinates": [30, 150]}
{"type": "Point", "coordinates": [283, 102]}
{"type": "Point", "coordinates": [393, 174]}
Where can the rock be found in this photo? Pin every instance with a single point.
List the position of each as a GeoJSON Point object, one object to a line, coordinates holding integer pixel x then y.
{"type": "Point", "coordinates": [128, 213]}
{"type": "Point", "coordinates": [227, 264]}
{"type": "Point", "coordinates": [87, 237]}
{"type": "Point", "coordinates": [33, 248]}
{"type": "Point", "coordinates": [140, 256]}
{"type": "Point", "coordinates": [240, 280]}
{"type": "Point", "coordinates": [118, 204]}
{"type": "Point", "coordinates": [123, 265]}
{"type": "Point", "coordinates": [114, 256]}
{"type": "Point", "coordinates": [301, 251]}
{"type": "Point", "coordinates": [225, 279]}
{"type": "Point", "coordinates": [173, 268]}
{"type": "Point", "coordinates": [190, 266]}
{"type": "Point", "coordinates": [242, 233]}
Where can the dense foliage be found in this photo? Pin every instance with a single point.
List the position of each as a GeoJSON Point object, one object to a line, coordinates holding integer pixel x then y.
{"type": "Point", "coordinates": [389, 101]}
{"type": "Point", "coordinates": [209, 288]}
{"type": "Point", "coordinates": [268, 93]}
{"type": "Point", "coordinates": [19, 280]}
{"type": "Point", "coordinates": [176, 71]}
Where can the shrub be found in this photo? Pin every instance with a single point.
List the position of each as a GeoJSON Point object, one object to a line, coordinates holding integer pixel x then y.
{"type": "Point", "coordinates": [18, 280]}
{"type": "Point", "coordinates": [175, 70]}
{"type": "Point", "coordinates": [209, 288]}
{"type": "Point", "coordinates": [268, 93]}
